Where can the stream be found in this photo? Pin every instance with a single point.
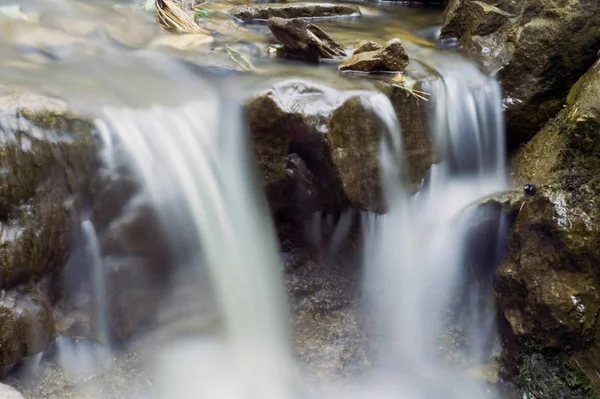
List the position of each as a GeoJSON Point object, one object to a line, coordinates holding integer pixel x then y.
{"type": "Point", "coordinates": [168, 124]}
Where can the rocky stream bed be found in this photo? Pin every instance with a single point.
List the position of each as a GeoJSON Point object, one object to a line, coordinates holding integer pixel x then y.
{"type": "Point", "coordinates": [317, 147]}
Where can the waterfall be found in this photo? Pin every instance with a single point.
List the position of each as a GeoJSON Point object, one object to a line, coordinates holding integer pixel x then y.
{"type": "Point", "coordinates": [197, 170]}
{"type": "Point", "coordinates": [414, 254]}
{"type": "Point", "coordinates": [98, 283]}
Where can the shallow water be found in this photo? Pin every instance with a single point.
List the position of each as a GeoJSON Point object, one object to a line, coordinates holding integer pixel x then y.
{"type": "Point", "coordinates": [172, 117]}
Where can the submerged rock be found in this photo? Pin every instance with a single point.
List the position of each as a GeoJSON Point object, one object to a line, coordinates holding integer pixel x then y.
{"type": "Point", "coordinates": [371, 57]}
{"type": "Point", "coordinates": [304, 40]}
{"type": "Point", "coordinates": [548, 289]}
{"type": "Point", "coordinates": [318, 148]}
{"type": "Point", "coordinates": [289, 11]}
{"type": "Point", "coordinates": [539, 49]}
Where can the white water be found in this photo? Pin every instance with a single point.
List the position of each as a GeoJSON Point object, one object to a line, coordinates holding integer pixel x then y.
{"type": "Point", "coordinates": [196, 168]}
{"type": "Point", "coordinates": [414, 254]}
{"type": "Point", "coordinates": [98, 283]}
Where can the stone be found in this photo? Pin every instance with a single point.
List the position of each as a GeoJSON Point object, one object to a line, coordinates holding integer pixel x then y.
{"type": "Point", "coordinates": [318, 147]}
{"type": "Point", "coordinates": [48, 160]}
{"type": "Point", "coordinates": [366, 46]}
{"type": "Point", "coordinates": [304, 40]}
{"type": "Point", "coordinates": [296, 10]}
{"type": "Point", "coordinates": [548, 288]}
{"type": "Point", "coordinates": [538, 48]}
{"type": "Point", "coordinates": [392, 57]}
{"type": "Point", "coordinates": [26, 322]}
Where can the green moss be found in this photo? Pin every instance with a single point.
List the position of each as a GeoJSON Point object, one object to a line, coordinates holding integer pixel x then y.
{"type": "Point", "coordinates": [549, 377]}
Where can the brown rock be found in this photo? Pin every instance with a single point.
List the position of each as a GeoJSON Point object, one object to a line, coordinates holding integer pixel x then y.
{"type": "Point", "coordinates": [366, 46]}
{"type": "Point", "coordinates": [539, 49]}
{"type": "Point", "coordinates": [548, 289]}
{"type": "Point", "coordinates": [304, 40]}
{"type": "Point", "coordinates": [392, 57]}
{"type": "Point", "coordinates": [319, 147]}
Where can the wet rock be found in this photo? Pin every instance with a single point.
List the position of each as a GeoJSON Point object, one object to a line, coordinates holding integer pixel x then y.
{"type": "Point", "coordinates": [548, 289]}
{"type": "Point", "coordinates": [7, 392]}
{"type": "Point", "coordinates": [26, 322]}
{"type": "Point", "coordinates": [366, 46]}
{"type": "Point", "coordinates": [539, 49]}
{"type": "Point", "coordinates": [304, 40]}
{"type": "Point", "coordinates": [47, 159]}
{"type": "Point", "coordinates": [392, 57]}
{"type": "Point", "coordinates": [548, 377]}
{"type": "Point", "coordinates": [354, 144]}
{"type": "Point", "coordinates": [319, 148]}
{"type": "Point", "coordinates": [289, 11]}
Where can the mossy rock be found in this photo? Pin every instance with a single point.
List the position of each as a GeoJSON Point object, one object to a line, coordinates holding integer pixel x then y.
{"type": "Point", "coordinates": [551, 377]}
{"type": "Point", "coordinates": [549, 286]}
{"type": "Point", "coordinates": [47, 159]}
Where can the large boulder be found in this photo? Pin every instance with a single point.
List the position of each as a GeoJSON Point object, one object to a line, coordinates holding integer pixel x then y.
{"type": "Point", "coordinates": [539, 49]}
{"type": "Point", "coordinates": [548, 288]}
{"type": "Point", "coordinates": [318, 148]}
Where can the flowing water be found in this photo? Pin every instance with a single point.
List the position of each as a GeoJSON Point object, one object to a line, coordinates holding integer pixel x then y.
{"type": "Point", "coordinates": [183, 137]}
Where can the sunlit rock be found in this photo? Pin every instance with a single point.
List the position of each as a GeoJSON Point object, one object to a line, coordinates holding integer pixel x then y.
{"type": "Point", "coordinates": [539, 49]}
{"type": "Point", "coordinates": [304, 40]}
{"type": "Point", "coordinates": [334, 138]}
{"type": "Point", "coordinates": [288, 11]}
{"type": "Point", "coordinates": [391, 57]}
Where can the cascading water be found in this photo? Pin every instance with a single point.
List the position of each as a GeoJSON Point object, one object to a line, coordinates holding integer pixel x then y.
{"type": "Point", "coordinates": [98, 282]}
{"type": "Point", "coordinates": [199, 176]}
{"type": "Point", "coordinates": [414, 254]}
{"type": "Point", "coordinates": [197, 173]}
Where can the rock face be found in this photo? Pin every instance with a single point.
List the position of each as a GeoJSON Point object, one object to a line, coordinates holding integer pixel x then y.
{"type": "Point", "coordinates": [304, 40]}
{"type": "Point", "coordinates": [289, 11]}
{"type": "Point", "coordinates": [539, 49]}
{"type": "Point", "coordinates": [371, 57]}
{"type": "Point", "coordinates": [549, 287]}
{"type": "Point", "coordinates": [319, 148]}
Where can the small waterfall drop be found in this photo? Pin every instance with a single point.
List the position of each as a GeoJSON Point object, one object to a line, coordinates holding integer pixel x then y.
{"type": "Point", "coordinates": [98, 283]}
{"type": "Point", "coordinates": [414, 254]}
{"type": "Point", "coordinates": [196, 167]}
